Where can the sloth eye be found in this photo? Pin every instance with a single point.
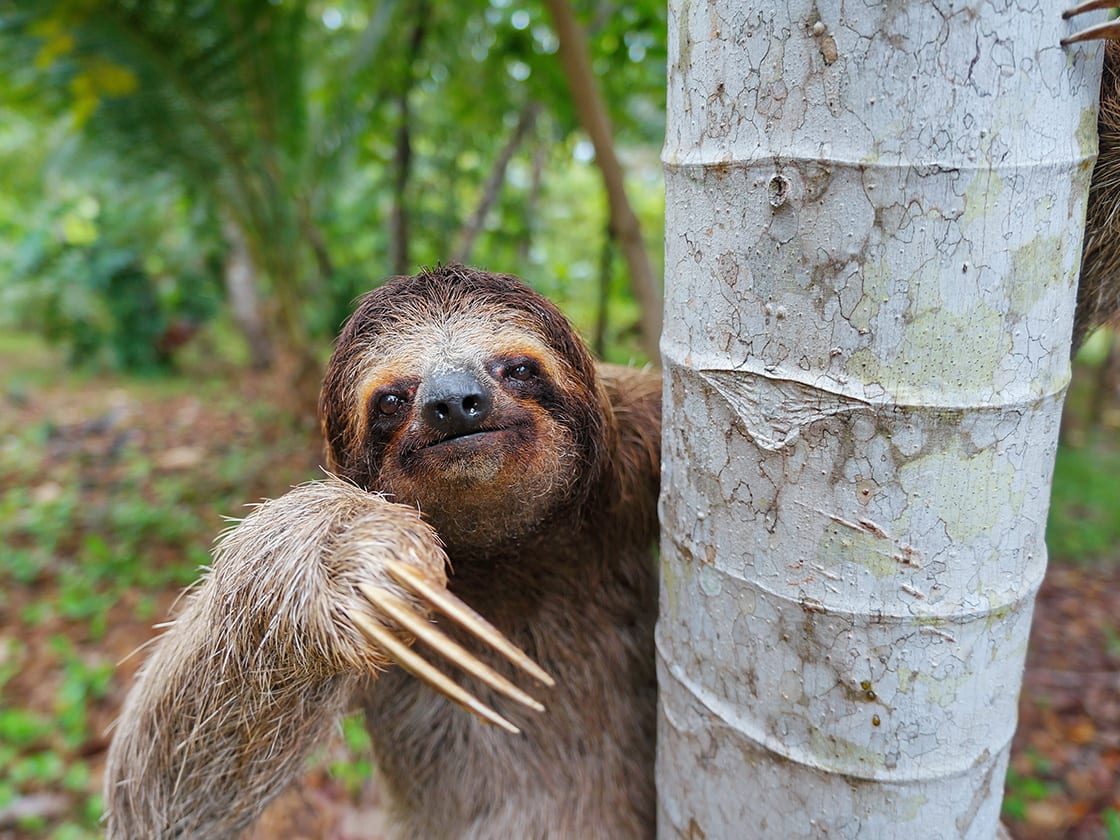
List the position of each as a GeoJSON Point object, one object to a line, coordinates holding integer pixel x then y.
{"type": "Point", "coordinates": [389, 403]}
{"type": "Point", "coordinates": [521, 372]}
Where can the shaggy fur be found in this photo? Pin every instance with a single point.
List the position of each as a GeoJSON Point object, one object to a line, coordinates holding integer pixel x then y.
{"type": "Point", "coordinates": [259, 664]}
{"type": "Point", "coordinates": [1098, 293]}
{"type": "Point", "coordinates": [549, 519]}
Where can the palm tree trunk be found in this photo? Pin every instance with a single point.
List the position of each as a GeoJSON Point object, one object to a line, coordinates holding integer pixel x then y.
{"type": "Point", "coordinates": [866, 352]}
{"type": "Point", "coordinates": [240, 274]}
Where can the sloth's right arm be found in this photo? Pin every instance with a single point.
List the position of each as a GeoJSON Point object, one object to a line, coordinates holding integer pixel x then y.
{"type": "Point", "coordinates": [307, 595]}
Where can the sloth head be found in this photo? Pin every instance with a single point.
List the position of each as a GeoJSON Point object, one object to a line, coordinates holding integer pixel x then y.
{"type": "Point", "coordinates": [469, 395]}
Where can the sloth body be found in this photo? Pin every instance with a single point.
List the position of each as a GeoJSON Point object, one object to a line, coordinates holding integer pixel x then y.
{"type": "Point", "coordinates": [467, 397]}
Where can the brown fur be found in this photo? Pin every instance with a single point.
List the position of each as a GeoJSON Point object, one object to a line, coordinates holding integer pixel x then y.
{"type": "Point", "coordinates": [1098, 293]}
{"type": "Point", "coordinates": [548, 526]}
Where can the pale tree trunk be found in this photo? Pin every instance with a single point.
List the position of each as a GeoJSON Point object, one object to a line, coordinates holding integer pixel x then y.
{"type": "Point", "coordinates": [873, 235]}
{"type": "Point", "coordinates": [595, 121]}
{"type": "Point", "coordinates": [240, 275]}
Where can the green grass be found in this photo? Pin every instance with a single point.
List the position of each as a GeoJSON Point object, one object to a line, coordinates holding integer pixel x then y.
{"type": "Point", "coordinates": [1084, 524]}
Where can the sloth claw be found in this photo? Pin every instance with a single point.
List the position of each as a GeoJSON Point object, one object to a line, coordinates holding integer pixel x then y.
{"type": "Point", "coordinates": [420, 627]}
{"type": "Point", "coordinates": [414, 581]}
{"type": "Point", "coordinates": [1105, 30]}
{"type": "Point", "coordinates": [415, 665]}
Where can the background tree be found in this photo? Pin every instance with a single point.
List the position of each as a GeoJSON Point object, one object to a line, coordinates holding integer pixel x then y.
{"type": "Point", "coordinates": [623, 222]}
{"type": "Point", "coordinates": [872, 246]}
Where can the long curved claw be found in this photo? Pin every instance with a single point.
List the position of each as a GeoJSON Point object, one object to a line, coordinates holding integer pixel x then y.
{"type": "Point", "coordinates": [419, 626]}
{"type": "Point", "coordinates": [415, 665]}
{"type": "Point", "coordinates": [423, 629]}
{"type": "Point", "coordinates": [1090, 6]}
{"type": "Point", "coordinates": [414, 581]}
{"type": "Point", "coordinates": [1106, 30]}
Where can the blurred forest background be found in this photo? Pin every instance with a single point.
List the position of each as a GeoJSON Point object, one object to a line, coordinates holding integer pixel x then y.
{"type": "Point", "coordinates": [192, 194]}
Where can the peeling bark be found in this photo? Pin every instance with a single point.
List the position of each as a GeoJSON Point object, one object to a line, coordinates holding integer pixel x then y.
{"type": "Point", "coordinates": [873, 231]}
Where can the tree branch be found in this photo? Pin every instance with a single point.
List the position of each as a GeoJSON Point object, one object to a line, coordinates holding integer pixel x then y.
{"type": "Point", "coordinates": [474, 224]}
{"type": "Point", "coordinates": [593, 116]}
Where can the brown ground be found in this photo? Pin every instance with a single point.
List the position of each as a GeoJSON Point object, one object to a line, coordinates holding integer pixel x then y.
{"type": "Point", "coordinates": [1068, 745]}
{"type": "Point", "coordinates": [1069, 713]}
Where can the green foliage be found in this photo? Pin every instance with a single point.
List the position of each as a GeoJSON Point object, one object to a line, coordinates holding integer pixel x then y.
{"type": "Point", "coordinates": [353, 767]}
{"type": "Point", "coordinates": [107, 271]}
{"type": "Point", "coordinates": [38, 749]}
{"type": "Point", "coordinates": [1111, 819]}
{"type": "Point", "coordinates": [1084, 523]}
{"type": "Point", "coordinates": [284, 118]}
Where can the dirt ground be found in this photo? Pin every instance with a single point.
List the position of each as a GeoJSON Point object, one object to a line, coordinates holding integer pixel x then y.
{"type": "Point", "coordinates": [1069, 711]}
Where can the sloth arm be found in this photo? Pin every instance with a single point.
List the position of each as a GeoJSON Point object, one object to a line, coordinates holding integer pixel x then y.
{"type": "Point", "coordinates": [260, 662]}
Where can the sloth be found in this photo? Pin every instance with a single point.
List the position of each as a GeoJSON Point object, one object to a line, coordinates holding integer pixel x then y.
{"type": "Point", "coordinates": [467, 428]}
{"type": "Point", "coordinates": [481, 464]}
{"type": "Point", "coordinates": [1098, 292]}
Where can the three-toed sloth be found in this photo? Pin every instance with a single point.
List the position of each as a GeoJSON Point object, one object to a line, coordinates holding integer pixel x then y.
{"type": "Point", "coordinates": [467, 397]}
{"type": "Point", "coordinates": [467, 429]}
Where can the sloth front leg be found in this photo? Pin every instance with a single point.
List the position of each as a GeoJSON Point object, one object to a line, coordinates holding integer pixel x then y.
{"type": "Point", "coordinates": [309, 594]}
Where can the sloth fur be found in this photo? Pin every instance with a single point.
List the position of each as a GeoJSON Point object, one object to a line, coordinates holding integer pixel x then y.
{"type": "Point", "coordinates": [548, 520]}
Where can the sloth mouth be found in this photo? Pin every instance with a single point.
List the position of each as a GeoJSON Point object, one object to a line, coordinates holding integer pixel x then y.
{"type": "Point", "coordinates": [470, 441]}
{"type": "Point", "coordinates": [462, 437]}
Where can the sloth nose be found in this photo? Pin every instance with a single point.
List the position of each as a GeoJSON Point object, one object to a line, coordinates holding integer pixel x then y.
{"type": "Point", "coordinates": [455, 403]}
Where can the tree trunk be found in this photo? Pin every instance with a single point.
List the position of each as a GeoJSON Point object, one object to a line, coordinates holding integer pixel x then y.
{"type": "Point", "coordinates": [873, 230]}
{"type": "Point", "coordinates": [536, 179]}
{"type": "Point", "coordinates": [602, 305]}
{"type": "Point", "coordinates": [593, 116]}
{"type": "Point", "coordinates": [240, 274]}
{"type": "Point", "coordinates": [493, 185]}
{"type": "Point", "coordinates": [402, 159]}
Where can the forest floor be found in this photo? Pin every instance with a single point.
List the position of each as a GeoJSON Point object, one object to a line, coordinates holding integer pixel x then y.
{"type": "Point", "coordinates": [111, 492]}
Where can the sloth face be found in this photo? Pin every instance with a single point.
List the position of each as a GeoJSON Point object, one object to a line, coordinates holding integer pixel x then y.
{"type": "Point", "coordinates": [467, 395]}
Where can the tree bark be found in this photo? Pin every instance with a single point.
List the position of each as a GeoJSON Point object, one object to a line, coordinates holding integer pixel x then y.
{"type": "Point", "coordinates": [602, 305]}
{"type": "Point", "coordinates": [240, 275]}
{"type": "Point", "coordinates": [593, 116]}
{"type": "Point", "coordinates": [493, 186]}
{"type": "Point", "coordinates": [873, 232]}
